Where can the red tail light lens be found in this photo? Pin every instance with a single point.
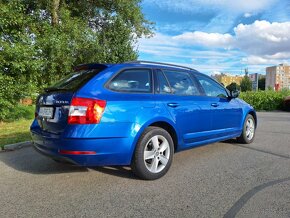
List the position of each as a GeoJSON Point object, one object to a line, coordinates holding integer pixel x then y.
{"type": "Point", "coordinates": [86, 111]}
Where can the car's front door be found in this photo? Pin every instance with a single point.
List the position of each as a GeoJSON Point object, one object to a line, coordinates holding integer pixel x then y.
{"type": "Point", "coordinates": [226, 112]}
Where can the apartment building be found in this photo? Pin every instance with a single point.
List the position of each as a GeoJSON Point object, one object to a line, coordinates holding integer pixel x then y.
{"type": "Point", "coordinates": [228, 79]}
{"type": "Point", "coordinates": [278, 77]}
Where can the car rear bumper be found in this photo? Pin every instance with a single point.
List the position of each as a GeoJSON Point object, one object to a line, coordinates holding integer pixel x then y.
{"type": "Point", "coordinates": [106, 151]}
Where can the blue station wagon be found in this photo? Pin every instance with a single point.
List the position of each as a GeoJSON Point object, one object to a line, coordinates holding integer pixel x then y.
{"type": "Point", "coordinates": [136, 114]}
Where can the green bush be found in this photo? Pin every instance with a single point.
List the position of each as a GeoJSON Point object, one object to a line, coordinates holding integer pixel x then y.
{"type": "Point", "coordinates": [265, 100]}
{"type": "Point", "coordinates": [21, 111]}
{"type": "Point", "coordinates": [17, 112]}
{"type": "Point", "coordinates": [11, 91]}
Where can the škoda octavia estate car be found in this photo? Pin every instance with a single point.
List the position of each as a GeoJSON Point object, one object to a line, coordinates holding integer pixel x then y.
{"type": "Point", "coordinates": [136, 114]}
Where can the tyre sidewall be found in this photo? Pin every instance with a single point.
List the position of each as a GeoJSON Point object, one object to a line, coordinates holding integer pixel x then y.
{"type": "Point", "coordinates": [138, 164]}
{"type": "Point", "coordinates": [249, 116]}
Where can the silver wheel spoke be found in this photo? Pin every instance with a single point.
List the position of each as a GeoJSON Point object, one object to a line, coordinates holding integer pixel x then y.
{"type": "Point", "coordinates": [148, 155]}
{"type": "Point", "coordinates": [163, 160]}
{"type": "Point", "coordinates": [163, 146]}
{"type": "Point", "coordinates": [155, 142]}
{"type": "Point", "coordinates": [154, 165]}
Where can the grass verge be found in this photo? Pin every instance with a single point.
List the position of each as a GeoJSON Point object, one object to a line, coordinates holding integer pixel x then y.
{"type": "Point", "coordinates": [13, 132]}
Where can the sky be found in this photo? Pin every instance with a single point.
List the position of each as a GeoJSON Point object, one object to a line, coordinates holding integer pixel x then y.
{"type": "Point", "coordinates": [215, 36]}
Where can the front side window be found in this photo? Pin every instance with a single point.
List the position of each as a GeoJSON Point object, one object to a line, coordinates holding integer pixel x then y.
{"type": "Point", "coordinates": [181, 83]}
{"type": "Point", "coordinates": [211, 88]}
{"type": "Point", "coordinates": [133, 80]}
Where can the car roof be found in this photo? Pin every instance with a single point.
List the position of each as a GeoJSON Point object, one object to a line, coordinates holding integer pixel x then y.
{"type": "Point", "coordinates": [147, 64]}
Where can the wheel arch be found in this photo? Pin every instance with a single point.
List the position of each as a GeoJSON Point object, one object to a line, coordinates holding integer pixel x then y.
{"type": "Point", "coordinates": [164, 123]}
{"type": "Point", "coordinates": [170, 129]}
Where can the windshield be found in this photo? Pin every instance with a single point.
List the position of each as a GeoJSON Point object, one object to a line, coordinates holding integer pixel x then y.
{"type": "Point", "coordinates": [74, 81]}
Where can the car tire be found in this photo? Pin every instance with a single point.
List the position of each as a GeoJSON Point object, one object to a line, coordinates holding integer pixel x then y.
{"type": "Point", "coordinates": [153, 154]}
{"type": "Point", "coordinates": [249, 130]}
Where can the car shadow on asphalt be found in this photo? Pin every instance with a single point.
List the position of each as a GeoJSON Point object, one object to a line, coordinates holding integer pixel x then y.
{"type": "Point", "coordinates": [118, 171]}
{"type": "Point", "coordinates": [29, 161]}
{"type": "Point", "coordinates": [230, 141]}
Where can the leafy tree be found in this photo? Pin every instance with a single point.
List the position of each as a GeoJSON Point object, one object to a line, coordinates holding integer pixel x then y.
{"type": "Point", "coordinates": [262, 83]}
{"type": "Point", "coordinates": [246, 84]}
{"type": "Point", "coordinates": [233, 86]}
{"type": "Point", "coordinates": [41, 40]}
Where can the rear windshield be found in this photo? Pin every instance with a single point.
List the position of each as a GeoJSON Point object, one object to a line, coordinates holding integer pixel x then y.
{"type": "Point", "coordinates": [74, 81]}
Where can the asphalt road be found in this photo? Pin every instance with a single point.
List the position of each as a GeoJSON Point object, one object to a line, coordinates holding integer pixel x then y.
{"type": "Point", "coordinates": [217, 180]}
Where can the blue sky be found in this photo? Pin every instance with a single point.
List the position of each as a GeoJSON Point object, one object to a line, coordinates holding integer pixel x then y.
{"type": "Point", "coordinates": [218, 35]}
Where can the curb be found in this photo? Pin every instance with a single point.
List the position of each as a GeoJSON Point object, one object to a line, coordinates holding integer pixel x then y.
{"type": "Point", "coordinates": [16, 146]}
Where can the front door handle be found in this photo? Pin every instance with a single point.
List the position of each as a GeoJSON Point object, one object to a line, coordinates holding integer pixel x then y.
{"type": "Point", "coordinates": [214, 104]}
{"type": "Point", "coordinates": [173, 105]}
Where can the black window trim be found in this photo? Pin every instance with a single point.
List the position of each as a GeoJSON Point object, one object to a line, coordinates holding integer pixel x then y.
{"type": "Point", "coordinates": [157, 89]}
{"type": "Point", "coordinates": [189, 73]}
{"type": "Point", "coordinates": [106, 85]}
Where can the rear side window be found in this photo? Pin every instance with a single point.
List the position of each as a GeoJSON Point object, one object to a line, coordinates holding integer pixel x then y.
{"type": "Point", "coordinates": [133, 80]}
{"type": "Point", "coordinates": [74, 81]}
{"type": "Point", "coordinates": [181, 83]}
{"type": "Point", "coordinates": [211, 88]}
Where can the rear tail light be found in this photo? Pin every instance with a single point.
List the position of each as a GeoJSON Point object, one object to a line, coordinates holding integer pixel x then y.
{"type": "Point", "coordinates": [86, 111]}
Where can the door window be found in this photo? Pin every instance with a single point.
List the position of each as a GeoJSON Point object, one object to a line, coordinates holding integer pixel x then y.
{"type": "Point", "coordinates": [211, 88]}
{"type": "Point", "coordinates": [181, 83]}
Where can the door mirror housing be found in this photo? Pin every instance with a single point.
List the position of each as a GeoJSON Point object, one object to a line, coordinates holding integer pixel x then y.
{"type": "Point", "coordinates": [234, 93]}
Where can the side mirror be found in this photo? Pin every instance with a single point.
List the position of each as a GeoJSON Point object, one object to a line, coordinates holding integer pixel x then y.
{"type": "Point", "coordinates": [235, 93]}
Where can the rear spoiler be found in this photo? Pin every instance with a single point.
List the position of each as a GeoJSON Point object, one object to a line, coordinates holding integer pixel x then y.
{"type": "Point", "coordinates": [90, 66]}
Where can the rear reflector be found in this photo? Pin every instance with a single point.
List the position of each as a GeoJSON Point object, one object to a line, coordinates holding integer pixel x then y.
{"type": "Point", "coordinates": [76, 152]}
{"type": "Point", "coordinates": [86, 111]}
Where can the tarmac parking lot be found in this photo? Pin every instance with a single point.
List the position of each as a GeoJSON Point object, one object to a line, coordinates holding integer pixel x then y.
{"type": "Point", "coordinates": [217, 180]}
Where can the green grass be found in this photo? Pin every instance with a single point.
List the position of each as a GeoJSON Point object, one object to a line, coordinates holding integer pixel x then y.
{"type": "Point", "coordinates": [13, 132]}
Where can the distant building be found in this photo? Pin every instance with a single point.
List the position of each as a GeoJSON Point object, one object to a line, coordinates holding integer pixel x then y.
{"type": "Point", "coordinates": [278, 77]}
{"type": "Point", "coordinates": [227, 79]}
{"type": "Point", "coordinates": [254, 77]}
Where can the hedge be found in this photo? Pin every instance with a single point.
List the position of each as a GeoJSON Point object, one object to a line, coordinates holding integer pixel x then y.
{"type": "Point", "coordinates": [265, 100]}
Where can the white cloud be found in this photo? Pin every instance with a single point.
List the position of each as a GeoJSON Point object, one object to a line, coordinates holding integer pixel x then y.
{"type": "Point", "coordinates": [247, 15]}
{"type": "Point", "coordinates": [206, 39]}
{"type": "Point", "coordinates": [263, 37]}
{"type": "Point", "coordinates": [252, 59]}
{"type": "Point", "coordinates": [256, 45]}
{"type": "Point", "coordinates": [258, 38]}
{"type": "Point", "coordinates": [267, 59]}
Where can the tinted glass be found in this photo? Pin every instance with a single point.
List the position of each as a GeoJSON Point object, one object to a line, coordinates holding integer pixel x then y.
{"type": "Point", "coordinates": [164, 87]}
{"type": "Point", "coordinates": [74, 80]}
{"type": "Point", "coordinates": [138, 80]}
{"type": "Point", "coordinates": [211, 88]}
{"type": "Point", "coordinates": [181, 83]}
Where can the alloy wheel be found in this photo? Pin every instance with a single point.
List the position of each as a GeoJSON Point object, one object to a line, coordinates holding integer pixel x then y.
{"type": "Point", "coordinates": [156, 154]}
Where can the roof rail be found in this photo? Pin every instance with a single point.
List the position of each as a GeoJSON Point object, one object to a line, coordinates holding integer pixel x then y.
{"type": "Point", "coordinates": [157, 63]}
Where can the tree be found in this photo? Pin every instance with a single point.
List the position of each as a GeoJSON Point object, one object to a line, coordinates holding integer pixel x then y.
{"type": "Point", "coordinates": [246, 84]}
{"type": "Point", "coordinates": [41, 40]}
{"type": "Point", "coordinates": [233, 86]}
{"type": "Point", "coordinates": [262, 83]}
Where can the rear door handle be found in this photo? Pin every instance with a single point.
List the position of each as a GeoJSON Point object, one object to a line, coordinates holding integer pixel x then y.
{"type": "Point", "coordinates": [214, 104]}
{"type": "Point", "coordinates": [173, 105]}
